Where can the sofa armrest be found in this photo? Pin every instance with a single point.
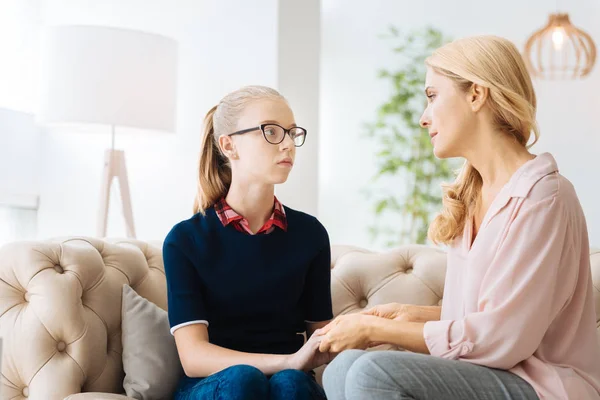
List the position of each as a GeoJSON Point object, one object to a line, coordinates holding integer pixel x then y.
{"type": "Point", "coordinates": [97, 396]}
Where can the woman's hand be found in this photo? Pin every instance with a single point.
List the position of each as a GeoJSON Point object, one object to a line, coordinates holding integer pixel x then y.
{"type": "Point", "coordinates": [405, 312]}
{"type": "Point", "coordinates": [349, 331]}
{"type": "Point", "coordinates": [309, 357]}
{"type": "Point", "coordinates": [395, 311]}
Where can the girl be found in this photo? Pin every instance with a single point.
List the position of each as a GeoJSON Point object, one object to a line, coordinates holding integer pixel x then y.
{"type": "Point", "coordinates": [518, 320]}
{"type": "Point", "coordinates": [247, 275]}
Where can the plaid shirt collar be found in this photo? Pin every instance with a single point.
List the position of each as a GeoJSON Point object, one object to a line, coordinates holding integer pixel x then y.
{"type": "Point", "coordinates": [228, 215]}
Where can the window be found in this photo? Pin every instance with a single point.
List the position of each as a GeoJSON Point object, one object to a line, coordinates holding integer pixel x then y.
{"type": "Point", "coordinates": [18, 218]}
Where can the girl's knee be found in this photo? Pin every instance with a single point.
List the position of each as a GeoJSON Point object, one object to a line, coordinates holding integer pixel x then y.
{"type": "Point", "coordinates": [292, 384]}
{"type": "Point", "coordinates": [290, 376]}
{"type": "Point", "coordinates": [243, 382]}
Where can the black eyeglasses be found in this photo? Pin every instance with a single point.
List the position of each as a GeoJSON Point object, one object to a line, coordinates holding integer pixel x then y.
{"type": "Point", "coordinates": [275, 134]}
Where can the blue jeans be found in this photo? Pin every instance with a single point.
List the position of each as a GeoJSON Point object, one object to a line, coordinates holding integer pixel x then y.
{"type": "Point", "coordinates": [243, 382]}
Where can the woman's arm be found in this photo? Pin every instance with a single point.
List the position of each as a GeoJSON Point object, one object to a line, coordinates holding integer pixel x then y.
{"type": "Point", "coordinates": [359, 331]}
{"type": "Point", "coordinates": [406, 335]}
{"type": "Point", "coordinates": [423, 313]}
{"type": "Point", "coordinates": [405, 312]}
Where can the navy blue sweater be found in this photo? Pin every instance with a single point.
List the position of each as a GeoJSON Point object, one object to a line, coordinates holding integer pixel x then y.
{"type": "Point", "coordinates": [255, 291]}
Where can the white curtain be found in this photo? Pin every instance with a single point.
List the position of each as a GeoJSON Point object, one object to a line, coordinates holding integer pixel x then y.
{"type": "Point", "coordinates": [17, 224]}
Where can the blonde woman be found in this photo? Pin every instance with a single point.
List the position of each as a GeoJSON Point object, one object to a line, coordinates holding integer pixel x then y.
{"type": "Point", "coordinates": [518, 320]}
{"type": "Point", "coordinates": [246, 275]}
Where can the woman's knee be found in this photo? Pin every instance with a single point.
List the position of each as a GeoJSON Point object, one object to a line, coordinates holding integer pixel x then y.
{"type": "Point", "coordinates": [243, 382]}
{"type": "Point", "coordinates": [384, 370]}
{"type": "Point", "coordinates": [334, 376]}
{"type": "Point", "coordinates": [342, 363]}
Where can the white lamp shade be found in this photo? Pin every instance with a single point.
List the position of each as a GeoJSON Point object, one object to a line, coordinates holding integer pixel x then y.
{"type": "Point", "coordinates": [108, 76]}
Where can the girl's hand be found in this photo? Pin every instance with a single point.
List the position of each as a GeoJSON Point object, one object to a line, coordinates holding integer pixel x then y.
{"type": "Point", "coordinates": [309, 357]}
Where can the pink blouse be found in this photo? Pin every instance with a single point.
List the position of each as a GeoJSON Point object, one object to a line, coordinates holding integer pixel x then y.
{"type": "Point", "coordinates": [520, 297]}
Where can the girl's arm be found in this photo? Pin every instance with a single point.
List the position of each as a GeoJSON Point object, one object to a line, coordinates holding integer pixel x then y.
{"type": "Point", "coordinates": [200, 358]}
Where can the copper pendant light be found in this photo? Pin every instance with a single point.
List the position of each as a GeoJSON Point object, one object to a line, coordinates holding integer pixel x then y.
{"type": "Point", "coordinates": [560, 50]}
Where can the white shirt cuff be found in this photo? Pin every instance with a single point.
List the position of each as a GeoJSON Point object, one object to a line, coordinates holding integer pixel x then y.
{"type": "Point", "coordinates": [173, 329]}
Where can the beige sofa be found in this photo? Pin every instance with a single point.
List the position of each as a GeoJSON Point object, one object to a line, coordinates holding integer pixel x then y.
{"type": "Point", "coordinates": [60, 305]}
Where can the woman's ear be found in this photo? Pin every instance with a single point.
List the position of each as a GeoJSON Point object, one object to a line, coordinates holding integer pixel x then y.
{"type": "Point", "coordinates": [478, 95]}
{"type": "Point", "coordinates": [227, 147]}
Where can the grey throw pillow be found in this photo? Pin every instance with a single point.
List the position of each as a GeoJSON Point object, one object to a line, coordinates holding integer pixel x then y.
{"type": "Point", "coordinates": [150, 359]}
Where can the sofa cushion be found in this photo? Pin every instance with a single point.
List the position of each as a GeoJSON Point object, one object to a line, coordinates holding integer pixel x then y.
{"type": "Point", "coordinates": [150, 359]}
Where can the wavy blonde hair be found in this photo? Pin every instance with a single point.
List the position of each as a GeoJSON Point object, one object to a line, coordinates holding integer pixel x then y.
{"type": "Point", "coordinates": [495, 63]}
{"type": "Point", "coordinates": [214, 170]}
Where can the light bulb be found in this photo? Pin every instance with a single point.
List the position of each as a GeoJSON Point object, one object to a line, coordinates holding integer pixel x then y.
{"type": "Point", "coordinates": [558, 38]}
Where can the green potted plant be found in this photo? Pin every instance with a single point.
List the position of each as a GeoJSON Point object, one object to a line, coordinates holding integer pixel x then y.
{"type": "Point", "coordinates": [405, 205]}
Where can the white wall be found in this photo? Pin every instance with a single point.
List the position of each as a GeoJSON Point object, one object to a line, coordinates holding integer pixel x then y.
{"type": "Point", "coordinates": [221, 47]}
{"type": "Point", "coordinates": [352, 54]}
{"type": "Point", "coordinates": [299, 41]}
{"type": "Point", "coordinates": [19, 29]}
{"type": "Point", "coordinates": [19, 136]}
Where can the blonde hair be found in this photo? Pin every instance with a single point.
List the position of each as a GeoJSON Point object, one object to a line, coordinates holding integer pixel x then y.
{"type": "Point", "coordinates": [495, 63]}
{"type": "Point", "coordinates": [214, 170]}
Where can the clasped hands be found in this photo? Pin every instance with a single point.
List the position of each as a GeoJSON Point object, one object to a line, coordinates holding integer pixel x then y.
{"type": "Point", "coordinates": [350, 331]}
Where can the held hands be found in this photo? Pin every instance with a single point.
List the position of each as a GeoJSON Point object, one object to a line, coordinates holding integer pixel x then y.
{"type": "Point", "coordinates": [353, 331]}
{"type": "Point", "coordinates": [349, 331]}
{"type": "Point", "coordinates": [309, 357]}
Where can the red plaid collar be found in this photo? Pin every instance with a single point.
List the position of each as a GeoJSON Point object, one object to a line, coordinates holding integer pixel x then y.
{"type": "Point", "coordinates": [228, 215]}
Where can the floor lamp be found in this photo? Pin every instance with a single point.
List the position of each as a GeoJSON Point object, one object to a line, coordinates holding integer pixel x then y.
{"type": "Point", "coordinates": [117, 78]}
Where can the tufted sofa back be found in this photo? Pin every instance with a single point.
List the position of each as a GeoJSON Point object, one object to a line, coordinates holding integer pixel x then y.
{"type": "Point", "coordinates": [60, 304]}
{"type": "Point", "coordinates": [60, 313]}
{"type": "Point", "coordinates": [409, 274]}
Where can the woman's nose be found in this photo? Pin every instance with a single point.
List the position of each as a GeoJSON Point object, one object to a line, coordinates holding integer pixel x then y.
{"type": "Point", "coordinates": [424, 121]}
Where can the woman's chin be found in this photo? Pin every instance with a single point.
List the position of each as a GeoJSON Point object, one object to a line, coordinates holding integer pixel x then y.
{"type": "Point", "coordinates": [441, 152]}
{"type": "Point", "coordinates": [438, 152]}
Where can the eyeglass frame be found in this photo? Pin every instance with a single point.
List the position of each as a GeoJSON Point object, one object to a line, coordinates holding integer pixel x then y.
{"type": "Point", "coordinates": [261, 127]}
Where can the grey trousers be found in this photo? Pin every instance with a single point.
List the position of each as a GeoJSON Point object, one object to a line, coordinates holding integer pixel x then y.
{"type": "Point", "coordinates": [395, 375]}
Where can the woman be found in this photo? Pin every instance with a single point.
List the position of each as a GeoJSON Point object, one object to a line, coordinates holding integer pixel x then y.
{"type": "Point", "coordinates": [518, 320]}
{"type": "Point", "coordinates": [247, 275]}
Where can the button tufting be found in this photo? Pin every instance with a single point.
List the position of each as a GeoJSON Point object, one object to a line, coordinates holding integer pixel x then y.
{"type": "Point", "coordinates": [59, 269]}
{"type": "Point", "coordinates": [363, 303]}
{"type": "Point", "coordinates": [25, 391]}
{"type": "Point", "coordinates": [61, 346]}
{"type": "Point", "coordinates": [27, 296]}
{"type": "Point", "coordinates": [408, 270]}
